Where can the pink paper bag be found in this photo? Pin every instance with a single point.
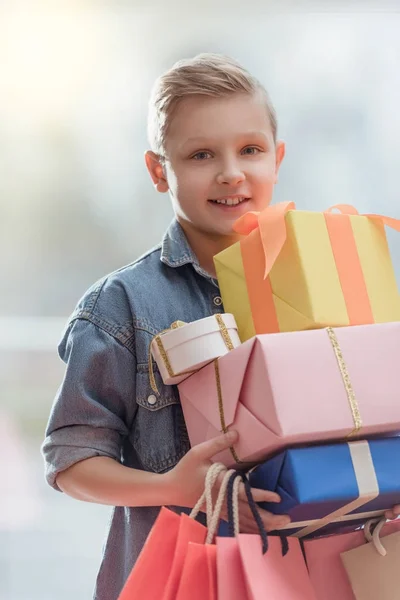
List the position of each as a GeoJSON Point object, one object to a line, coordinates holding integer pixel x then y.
{"type": "Point", "coordinates": [189, 531]}
{"type": "Point", "coordinates": [167, 545]}
{"type": "Point", "coordinates": [272, 575]}
{"type": "Point", "coordinates": [327, 573]}
{"type": "Point", "coordinates": [230, 575]}
{"type": "Point", "coordinates": [144, 582]}
{"type": "Point", "coordinates": [199, 574]}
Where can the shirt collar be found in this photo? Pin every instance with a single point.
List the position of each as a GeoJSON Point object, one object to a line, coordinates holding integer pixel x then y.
{"type": "Point", "coordinates": [176, 251]}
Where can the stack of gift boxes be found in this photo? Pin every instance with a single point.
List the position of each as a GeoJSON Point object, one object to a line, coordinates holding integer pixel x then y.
{"type": "Point", "coordinates": [310, 376]}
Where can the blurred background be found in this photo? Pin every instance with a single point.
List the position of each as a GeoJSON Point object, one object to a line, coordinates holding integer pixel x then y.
{"type": "Point", "coordinates": [76, 201]}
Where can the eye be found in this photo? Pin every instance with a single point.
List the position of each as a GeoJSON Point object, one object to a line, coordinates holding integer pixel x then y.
{"type": "Point", "coordinates": [202, 155]}
{"type": "Point", "coordinates": [251, 150]}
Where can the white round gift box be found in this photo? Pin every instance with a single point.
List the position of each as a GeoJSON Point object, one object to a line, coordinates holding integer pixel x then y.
{"type": "Point", "coordinates": [187, 347]}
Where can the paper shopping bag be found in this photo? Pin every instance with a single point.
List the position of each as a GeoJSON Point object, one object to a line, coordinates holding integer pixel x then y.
{"type": "Point", "coordinates": [146, 582]}
{"type": "Point", "coordinates": [189, 531]}
{"type": "Point", "coordinates": [167, 544]}
{"type": "Point", "coordinates": [199, 575]}
{"type": "Point", "coordinates": [175, 545]}
{"type": "Point", "coordinates": [231, 581]}
{"type": "Point", "coordinates": [272, 575]}
{"type": "Point", "coordinates": [259, 567]}
{"type": "Point", "coordinates": [327, 573]}
{"type": "Point", "coordinates": [374, 576]}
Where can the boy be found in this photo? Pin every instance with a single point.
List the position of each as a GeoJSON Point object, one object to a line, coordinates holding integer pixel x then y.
{"type": "Point", "coordinates": [110, 439]}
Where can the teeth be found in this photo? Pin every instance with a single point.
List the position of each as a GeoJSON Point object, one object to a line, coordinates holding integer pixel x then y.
{"type": "Point", "coordinates": [230, 201]}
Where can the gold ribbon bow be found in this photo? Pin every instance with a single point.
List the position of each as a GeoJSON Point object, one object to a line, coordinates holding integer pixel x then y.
{"type": "Point", "coordinates": [157, 339]}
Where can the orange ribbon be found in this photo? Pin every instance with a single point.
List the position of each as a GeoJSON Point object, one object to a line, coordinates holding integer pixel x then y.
{"type": "Point", "coordinates": [272, 226]}
{"type": "Point", "coordinates": [348, 209]}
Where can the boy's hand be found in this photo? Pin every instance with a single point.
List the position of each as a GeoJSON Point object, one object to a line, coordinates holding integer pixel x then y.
{"type": "Point", "coordinates": [394, 513]}
{"type": "Point", "coordinates": [186, 485]}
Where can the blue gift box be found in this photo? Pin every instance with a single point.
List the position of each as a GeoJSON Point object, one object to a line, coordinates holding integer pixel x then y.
{"type": "Point", "coordinates": [318, 481]}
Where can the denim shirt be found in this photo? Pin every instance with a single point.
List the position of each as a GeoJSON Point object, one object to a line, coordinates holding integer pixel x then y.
{"type": "Point", "coordinates": [105, 405]}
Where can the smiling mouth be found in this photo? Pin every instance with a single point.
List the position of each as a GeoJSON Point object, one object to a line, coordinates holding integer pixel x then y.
{"type": "Point", "coordinates": [230, 201]}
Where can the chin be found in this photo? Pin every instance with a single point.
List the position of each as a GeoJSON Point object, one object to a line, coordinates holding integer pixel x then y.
{"type": "Point", "coordinates": [225, 231]}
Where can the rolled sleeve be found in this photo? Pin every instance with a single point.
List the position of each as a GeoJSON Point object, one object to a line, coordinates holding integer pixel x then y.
{"type": "Point", "coordinates": [95, 406]}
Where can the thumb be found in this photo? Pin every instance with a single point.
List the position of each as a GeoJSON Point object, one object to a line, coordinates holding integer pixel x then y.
{"type": "Point", "coordinates": [206, 450]}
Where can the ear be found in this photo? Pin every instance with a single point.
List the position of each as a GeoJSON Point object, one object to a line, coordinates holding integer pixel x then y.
{"type": "Point", "coordinates": [280, 151]}
{"type": "Point", "coordinates": [156, 171]}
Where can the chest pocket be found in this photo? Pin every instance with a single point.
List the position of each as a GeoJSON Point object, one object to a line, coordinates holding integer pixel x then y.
{"type": "Point", "coordinates": [159, 435]}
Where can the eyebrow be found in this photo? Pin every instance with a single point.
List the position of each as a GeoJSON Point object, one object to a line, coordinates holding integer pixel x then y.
{"type": "Point", "coordinates": [209, 140]}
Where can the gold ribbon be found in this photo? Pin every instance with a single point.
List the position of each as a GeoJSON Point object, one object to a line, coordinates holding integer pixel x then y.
{"type": "Point", "coordinates": [221, 409]}
{"type": "Point", "coordinates": [163, 353]}
{"type": "Point", "coordinates": [355, 410]}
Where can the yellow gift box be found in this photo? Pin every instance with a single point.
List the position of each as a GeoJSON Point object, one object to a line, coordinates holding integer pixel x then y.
{"type": "Point", "coordinates": [297, 270]}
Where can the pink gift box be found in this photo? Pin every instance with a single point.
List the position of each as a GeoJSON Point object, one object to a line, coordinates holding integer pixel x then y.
{"type": "Point", "coordinates": [284, 389]}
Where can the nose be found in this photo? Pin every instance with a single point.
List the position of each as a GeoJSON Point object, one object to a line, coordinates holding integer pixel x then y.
{"type": "Point", "coordinates": [230, 174]}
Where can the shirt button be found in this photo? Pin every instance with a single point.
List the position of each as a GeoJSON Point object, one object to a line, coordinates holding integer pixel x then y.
{"type": "Point", "coordinates": [152, 399]}
{"type": "Point", "coordinates": [217, 300]}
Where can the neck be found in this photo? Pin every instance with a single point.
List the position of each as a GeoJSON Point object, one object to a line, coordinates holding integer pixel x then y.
{"type": "Point", "coordinates": [206, 245]}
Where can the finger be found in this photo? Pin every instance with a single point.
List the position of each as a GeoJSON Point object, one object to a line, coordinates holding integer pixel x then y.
{"type": "Point", "coordinates": [259, 495]}
{"type": "Point", "coordinates": [248, 526]}
{"type": "Point", "coordinates": [393, 513]}
{"type": "Point", "coordinates": [206, 450]}
{"type": "Point", "coordinates": [252, 527]}
{"type": "Point", "coordinates": [247, 523]}
{"type": "Point", "coordinates": [390, 515]}
{"type": "Point", "coordinates": [272, 522]}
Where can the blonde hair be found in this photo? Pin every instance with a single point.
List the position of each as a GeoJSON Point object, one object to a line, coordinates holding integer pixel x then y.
{"type": "Point", "coordinates": [206, 74]}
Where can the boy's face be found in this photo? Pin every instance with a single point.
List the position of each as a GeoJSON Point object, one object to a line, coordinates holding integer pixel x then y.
{"type": "Point", "coordinates": [221, 161]}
